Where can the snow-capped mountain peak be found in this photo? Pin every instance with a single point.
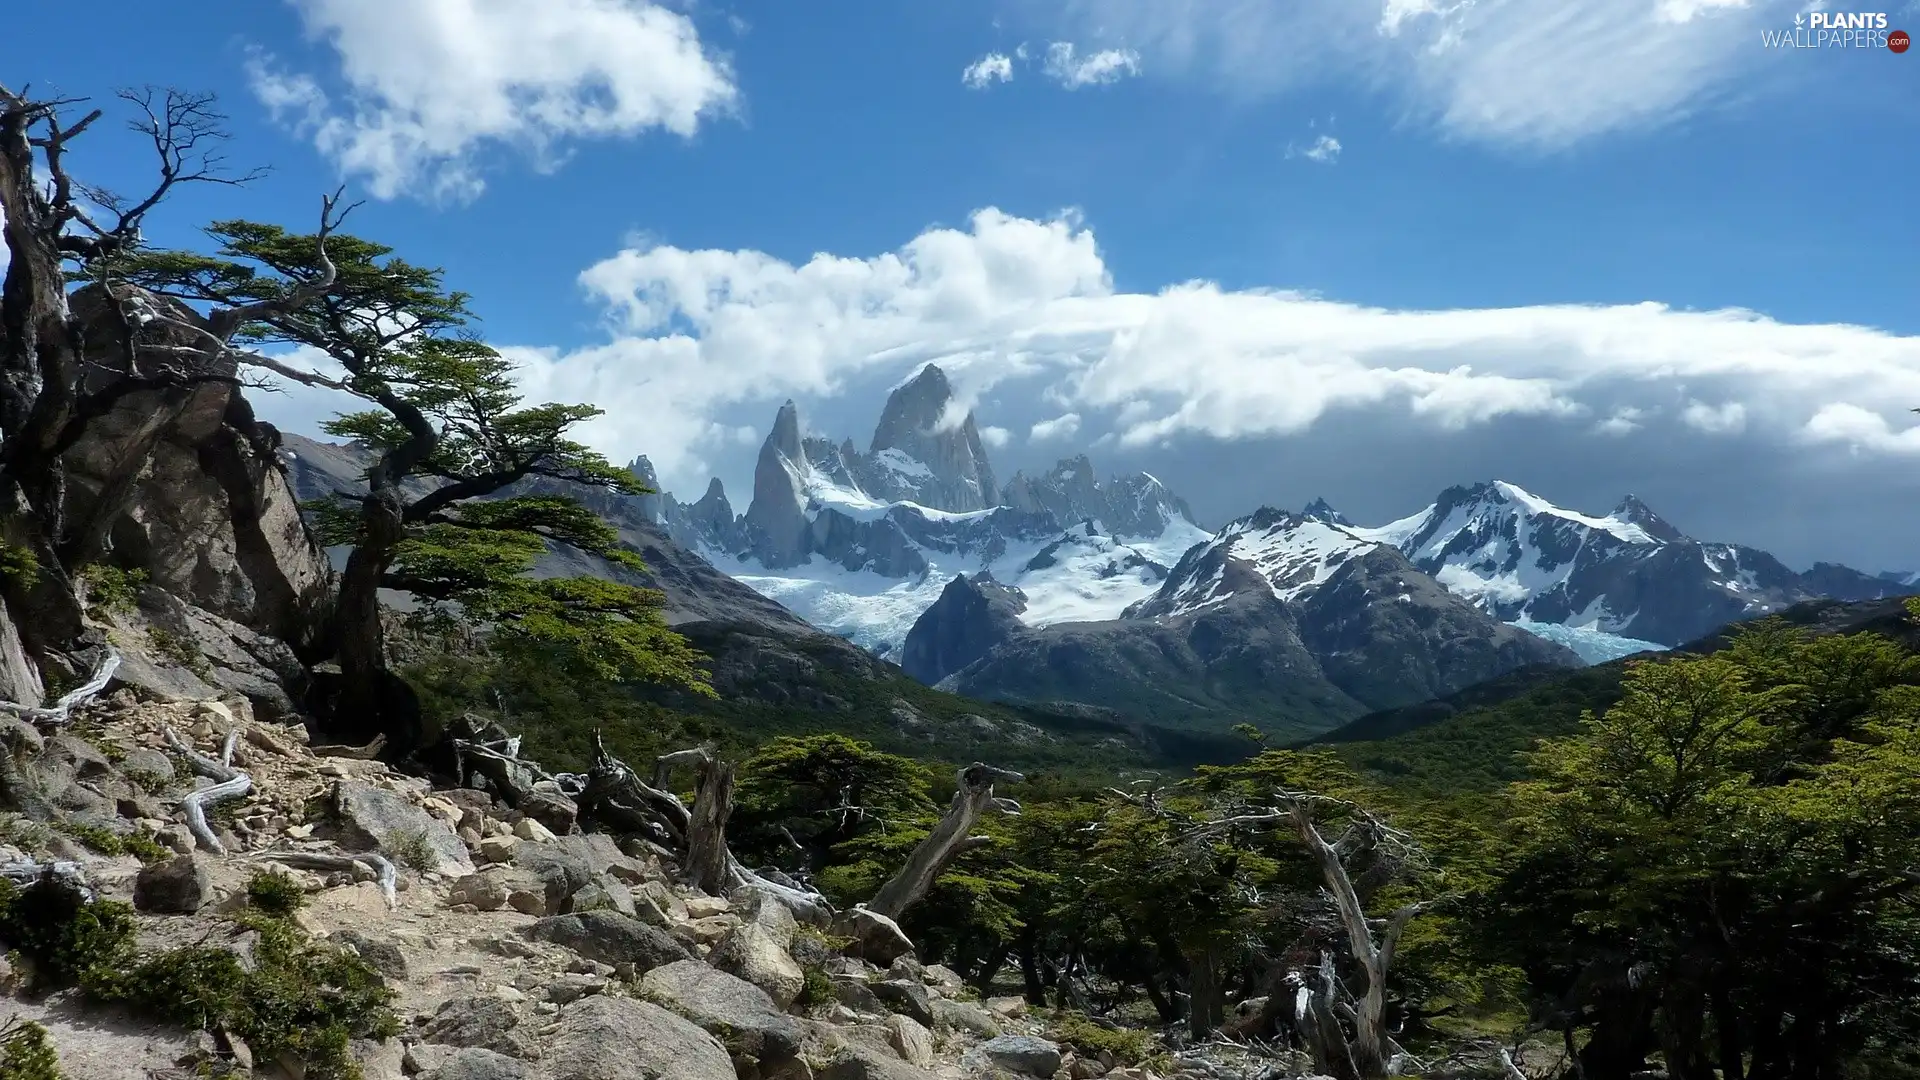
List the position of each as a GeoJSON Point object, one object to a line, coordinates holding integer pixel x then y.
{"type": "Point", "coordinates": [1288, 555]}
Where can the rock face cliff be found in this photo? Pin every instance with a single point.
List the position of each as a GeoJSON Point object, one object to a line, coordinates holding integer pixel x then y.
{"type": "Point", "coordinates": [927, 450]}
{"type": "Point", "coordinates": [180, 485]}
{"type": "Point", "coordinates": [970, 618]}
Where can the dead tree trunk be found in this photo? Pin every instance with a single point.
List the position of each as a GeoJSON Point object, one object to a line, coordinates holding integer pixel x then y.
{"type": "Point", "coordinates": [948, 839]}
{"type": "Point", "coordinates": [708, 857]}
{"type": "Point", "coordinates": [1373, 954]}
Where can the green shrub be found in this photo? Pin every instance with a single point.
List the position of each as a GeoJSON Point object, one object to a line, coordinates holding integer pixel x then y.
{"type": "Point", "coordinates": [275, 893]}
{"type": "Point", "coordinates": [112, 590]}
{"type": "Point", "coordinates": [413, 850]}
{"type": "Point", "coordinates": [1127, 1046]}
{"type": "Point", "coordinates": [60, 936]}
{"type": "Point", "coordinates": [818, 989]}
{"type": "Point", "coordinates": [179, 648]}
{"type": "Point", "coordinates": [25, 1053]}
{"type": "Point", "coordinates": [107, 842]}
{"type": "Point", "coordinates": [18, 565]}
{"type": "Point", "coordinates": [301, 998]}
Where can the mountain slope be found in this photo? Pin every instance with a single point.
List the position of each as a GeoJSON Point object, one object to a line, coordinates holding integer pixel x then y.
{"type": "Point", "coordinates": [1630, 573]}
{"type": "Point", "coordinates": [1280, 620]}
{"type": "Point", "coordinates": [1471, 739]}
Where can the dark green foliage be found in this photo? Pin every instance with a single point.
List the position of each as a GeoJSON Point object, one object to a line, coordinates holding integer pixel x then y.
{"type": "Point", "coordinates": [18, 566]}
{"type": "Point", "coordinates": [25, 1053]}
{"type": "Point", "coordinates": [275, 893]}
{"type": "Point", "coordinates": [1127, 1046]}
{"type": "Point", "coordinates": [113, 590]}
{"type": "Point", "coordinates": [107, 842]}
{"type": "Point", "coordinates": [61, 937]}
{"type": "Point", "coordinates": [301, 998]}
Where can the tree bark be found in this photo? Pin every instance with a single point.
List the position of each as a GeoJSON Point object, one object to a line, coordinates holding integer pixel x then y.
{"type": "Point", "coordinates": [708, 859]}
{"type": "Point", "coordinates": [948, 839]}
{"type": "Point", "coordinates": [1206, 1008]}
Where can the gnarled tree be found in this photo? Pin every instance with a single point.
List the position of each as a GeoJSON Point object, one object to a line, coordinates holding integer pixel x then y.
{"type": "Point", "coordinates": [468, 482]}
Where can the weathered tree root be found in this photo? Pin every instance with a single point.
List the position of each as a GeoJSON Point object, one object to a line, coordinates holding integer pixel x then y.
{"type": "Point", "coordinates": [61, 711]}
{"type": "Point", "coordinates": [356, 753]}
{"type": "Point", "coordinates": [229, 783]}
{"type": "Point", "coordinates": [381, 866]}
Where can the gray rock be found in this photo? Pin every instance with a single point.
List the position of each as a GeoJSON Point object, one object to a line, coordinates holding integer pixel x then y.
{"type": "Point", "coordinates": [609, 1038]}
{"type": "Point", "coordinates": [853, 992]}
{"type": "Point", "coordinates": [611, 938]}
{"type": "Point", "coordinates": [865, 1063]}
{"type": "Point", "coordinates": [485, 1022]}
{"type": "Point", "coordinates": [1027, 1055]}
{"type": "Point", "coordinates": [877, 938]}
{"type": "Point", "coordinates": [189, 654]}
{"type": "Point", "coordinates": [19, 679]}
{"type": "Point", "coordinates": [150, 762]}
{"type": "Point", "coordinates": [906, 996]}
{"type": "Point", "coordinates": [965, 1016]}
{"type": "Point", "coordinates": [380, 818]}
{"type": "Point", "coordinates": [474, 1063]}
{"type": "Point", "coordinates": [562, 870]}
{"type": "Point", "coordinates": [178, 886]}
{"type": "Point", "coordinates": [741, 1014]}
{"type": "Point", "coordinates": [603, 895]}
{"type": "Point", "coordinates": [76, 758]}
{"type": "Point", "coordinates": [910, 1040]}
{"type": "Point", "coordinates": [755, 952]}
{"type": "Point", "coordinates": [486, 891]}
{"type": "Point", "coordinates": [551, 809]}
{"type": "Point", "coordinates": [381, 954]}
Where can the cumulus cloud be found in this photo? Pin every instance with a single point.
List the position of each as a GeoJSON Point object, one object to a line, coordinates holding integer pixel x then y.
{"type": "Point", "coordinates": [425, 86]}
{"type": "Point", "coordinates": [1029, 305]}
{"type": "Point", "coordinates": [1066, 66]}
{"type": "Point", "coordinates": [989, 69]}
{"type": "Point", "coordinates": [1727, 418]}
{"type": "Point", "coordinates": [1542, 74]}
{"type": "Point", "coordinates": [995, 436]}
{"type": "Point", "coordinates": [1064, 426]}
{"type": "Point", "coordinates": [1324, 150]}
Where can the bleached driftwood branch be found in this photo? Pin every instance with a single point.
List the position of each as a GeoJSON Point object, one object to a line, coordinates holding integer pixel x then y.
{"type": "Point", "coordinates": [61, 711]}
{"type": "Point", "coordinates": [947, 840]}
{"type": "Point", "coordinates": [229, 783]}
{"type": "Point", "coordinates": [24, 872]}
{"type": "Point", "coordinates": [381, 866]}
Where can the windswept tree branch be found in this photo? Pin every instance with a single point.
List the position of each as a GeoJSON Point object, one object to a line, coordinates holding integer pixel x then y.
{"type": "Point", "coordinates": [228, 321]}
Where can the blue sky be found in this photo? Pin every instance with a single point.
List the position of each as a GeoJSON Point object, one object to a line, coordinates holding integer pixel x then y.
{"type": "Point", "coordinates": [635, 194]}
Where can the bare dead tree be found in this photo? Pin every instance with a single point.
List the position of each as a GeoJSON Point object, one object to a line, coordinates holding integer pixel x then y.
{"type": "Point", "coordinates": [950, 837]}
{"type": "Point", "coordinates": [1371, 943]}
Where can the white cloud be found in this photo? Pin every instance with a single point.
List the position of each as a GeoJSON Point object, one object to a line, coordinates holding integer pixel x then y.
{"type": "Point", "coordinates": [1064, 426]}
{"type": "Point", "coordinates": [989, 69]}
{"type": "Point", "coordinates": [1726, 419]}
{"type": "Point", "coordinates": [1862, 429]}
{"type": "Point", "coordinates": [428, 85]}
{"type": "Point", "coordinates": [1068, 68]}
{"type": "Point", "coordinates": [1030, 305]}
{"type": "Point", "coordinates": [1324, 150]}
{"type": "Point", "coordinates": [1624, 421]}
{"type": "Point", "coordinates": [995, 436]}
{"type": "Point", "coordinates": [1541, 74]}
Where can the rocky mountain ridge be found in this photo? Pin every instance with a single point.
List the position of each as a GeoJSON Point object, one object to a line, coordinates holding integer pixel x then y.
{"type": "Point", "coordinates": [1280, 620]}
{"type": "Point", "coordinates": [1630, 573]}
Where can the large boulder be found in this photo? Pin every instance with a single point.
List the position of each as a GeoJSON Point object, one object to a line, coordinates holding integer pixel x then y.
{"type": "Point", "coordinates": [473, 1063]}
{"type": "Point", "coordinates": [178, 886]}
{"type": "Point", "coordinates": [485, 1022]}
{"type": "Point", "coordinates": [877, 938]}
{"type": "Point", "coordinates": [740, 1013]}
{"type": "Point", "coordinates": [757, 949]}
{"type": "Point", "coordinates": [183, 482]}
{"type": "Point", "coordinates": [1024, 1055]}
{"type": "Point", "coordinates": [173, 651]}
{"type": "Point", "coordinates": [376, 817]}
{"type": "Point", "coordinates": [906, 996]}
{"type": "Point", "coordinates": [854, 1062]}
{"type": "Point", "coordinates": [612, 1038]}
{"type": "Point", "coordinates": [19, 679]}
{"type": "Point", "coordinates": [610, 938]}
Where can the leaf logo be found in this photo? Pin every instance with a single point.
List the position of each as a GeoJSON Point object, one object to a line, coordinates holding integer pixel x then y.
{"type": "Point", "coordinates": [1799, 21]}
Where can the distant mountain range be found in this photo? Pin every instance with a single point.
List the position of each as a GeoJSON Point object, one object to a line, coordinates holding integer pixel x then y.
{"type": "Point", "coordinates": [1064, 587]}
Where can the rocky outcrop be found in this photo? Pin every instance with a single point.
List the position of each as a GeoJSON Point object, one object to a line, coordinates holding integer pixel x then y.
{"type": "Point", "coordinates": [926, 451]}
{"type": "Point", "coordinates": [1134, 505]}
{"type": "Point", "coordinates": [606, 1038]}
{"type": "Point", "coordinates": [972, 615]}
{"type": "Point", "coordinates": [776, 521]}
{"type": "Point", "coordinates": [184, 484]}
